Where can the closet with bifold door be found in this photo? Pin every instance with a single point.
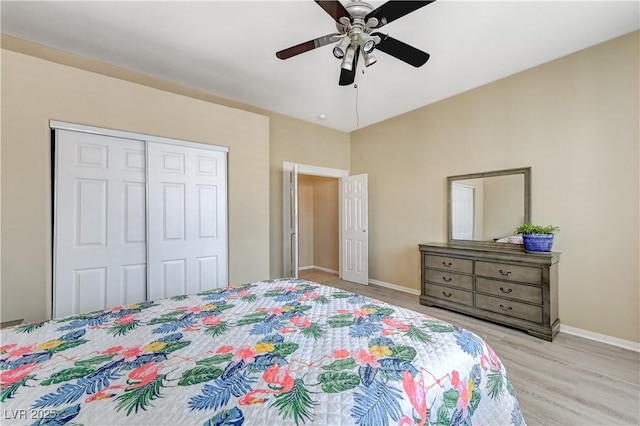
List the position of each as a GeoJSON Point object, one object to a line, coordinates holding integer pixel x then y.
{"type": "Point", "coordinates": [135, 218]}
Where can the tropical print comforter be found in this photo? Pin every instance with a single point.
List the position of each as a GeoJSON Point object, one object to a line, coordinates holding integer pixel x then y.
{"type": "Point", "coordinates": [277, 352]}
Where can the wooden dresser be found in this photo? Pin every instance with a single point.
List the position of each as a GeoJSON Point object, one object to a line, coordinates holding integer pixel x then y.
{"type": "Point", "coordinates": [503, 285]}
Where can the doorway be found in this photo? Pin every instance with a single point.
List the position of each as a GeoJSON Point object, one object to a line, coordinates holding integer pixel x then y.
{"type": "Point", "coordinates": [352, 192]}
{"type": "Point", "coordinates": [319, 226]}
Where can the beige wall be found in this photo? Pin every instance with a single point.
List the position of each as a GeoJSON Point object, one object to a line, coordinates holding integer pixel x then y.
{"type": "Point", "coordinates": [299, 142]}
{"type": "Point", "coordinates": [35, 91]}
{"type": "Point", "coordinates": [290, 139]}
{"type": "Point", "coordinates": [503, 205]}
{"type": "Point", "coordinates": [305, 221]}
{"type": "Point", "coordinates": [575, 122]}
{"type": "Point", "coordinates": [326, 224]}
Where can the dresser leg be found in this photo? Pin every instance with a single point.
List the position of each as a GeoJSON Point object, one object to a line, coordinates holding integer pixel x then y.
{"type": "Point", "coordinates": [426, 302]}
{"type": "Point", "coordinates": [545, 336]}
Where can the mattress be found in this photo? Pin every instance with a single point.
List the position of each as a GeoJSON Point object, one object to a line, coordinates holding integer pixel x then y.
{"type": "Point", "coordinates": [276, 352]}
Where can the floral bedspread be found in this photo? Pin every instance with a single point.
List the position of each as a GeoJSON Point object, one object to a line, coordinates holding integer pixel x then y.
{"type": "Point", "coordinates": [277, 352]}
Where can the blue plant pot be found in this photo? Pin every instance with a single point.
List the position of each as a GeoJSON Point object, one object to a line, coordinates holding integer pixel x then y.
{"type": "Point", "coordinates": [537, 243]}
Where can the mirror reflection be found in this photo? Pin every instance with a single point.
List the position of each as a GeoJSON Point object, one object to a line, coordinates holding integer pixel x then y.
{"type": "Point", "coordinates": [488, 206]}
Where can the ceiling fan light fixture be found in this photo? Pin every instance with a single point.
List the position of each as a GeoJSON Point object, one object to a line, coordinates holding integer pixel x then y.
{"type": "Point", "coordinates": [369, 59]}
{"type": "Point", "coordinates": [341, 48]}
{"type": "Point", "coordinates": [368, 45]}
{"type": "Point", "coordinates": [347, 61]}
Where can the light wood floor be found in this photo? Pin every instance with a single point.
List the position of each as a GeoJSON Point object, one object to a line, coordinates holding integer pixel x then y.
{"type": "Point", "coordinates": [570, 381]}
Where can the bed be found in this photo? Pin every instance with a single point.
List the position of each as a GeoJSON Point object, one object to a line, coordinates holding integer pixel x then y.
{"type": "Point", "coordinates": [276, 352]}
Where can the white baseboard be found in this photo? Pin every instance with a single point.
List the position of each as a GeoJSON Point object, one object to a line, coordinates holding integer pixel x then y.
{"type": "Point", "coordinates": [319, 268]}
{"type": "Point", "coordinates": [394, 286]}
{"type": "Point", "coordinates": [603, 338]}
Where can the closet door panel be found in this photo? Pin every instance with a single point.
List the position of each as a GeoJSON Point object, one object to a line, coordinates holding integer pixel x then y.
{"type": "Point", "coordinates": [99, 222]}
{"type": "Point", "coordinates": [134, 283]}
{"type": "Point", "coordinates": [174, 277]}
{"type": "Point", "coordinates": [187, 236]}
{"type": "Point", "coordinates": [173, 211]}
{"type": "Point", "coordinates": [207, 211]}
{"type": "Point", "coordinates": [208, 272]}
{"type": "Point", "coordinates": [91, 209]}
{"type": "Point", "coordinates": [135, 212]}
{"type": "Point", "coordinates": [90, 289]}
{"type": "Point", "coordinates": [135, 220]}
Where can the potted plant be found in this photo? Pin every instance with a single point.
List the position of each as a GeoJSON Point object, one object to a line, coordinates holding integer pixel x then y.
{"type": "Point", "coordinates": [537, 238]}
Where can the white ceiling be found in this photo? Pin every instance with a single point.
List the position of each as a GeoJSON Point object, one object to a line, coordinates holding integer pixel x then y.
{"type": "Point", "coordinates": [227, 48]}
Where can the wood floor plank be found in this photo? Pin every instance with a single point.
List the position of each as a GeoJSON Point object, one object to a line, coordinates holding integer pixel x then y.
{"type": "Point", "coordinates": [570, 381]}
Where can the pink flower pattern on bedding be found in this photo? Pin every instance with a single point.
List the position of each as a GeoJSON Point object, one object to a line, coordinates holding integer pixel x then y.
{"type": "Point", "coordinates": [285, 351]}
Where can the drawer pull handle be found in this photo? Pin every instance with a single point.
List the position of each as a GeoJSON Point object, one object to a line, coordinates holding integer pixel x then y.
{"type": "Point", "coordinates": [447, 264]}
{"type": "Point", "coordinates": [506, 274]}
{"type": "Point", "coordinates": [447, 294]}
{"type": "Point", "coordinates": [445, 279]}
{"type": "Point", "coordinates": [504, 308]}
{"type": "Point", "coordinates": [505, 291]}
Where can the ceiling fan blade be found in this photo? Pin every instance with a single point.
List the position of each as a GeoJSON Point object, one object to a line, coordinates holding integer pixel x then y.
{"type": "Point", "coordinates": [348, 77]}
{"type": "Point", "coordinates": [392, 10]}
{"type": "Point", "coordinates": [306, 46]}
{"type": "Point", "coordinates": [334, 8]}
{"type": "Point", "coordinates": [400, 50]}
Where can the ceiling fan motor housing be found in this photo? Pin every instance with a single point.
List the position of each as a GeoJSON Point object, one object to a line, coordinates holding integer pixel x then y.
{"type": "Point", "coordinates": [356, 28]}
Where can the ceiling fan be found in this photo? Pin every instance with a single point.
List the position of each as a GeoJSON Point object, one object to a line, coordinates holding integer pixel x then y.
{"type": "Point", "coordinates": [356, 22]}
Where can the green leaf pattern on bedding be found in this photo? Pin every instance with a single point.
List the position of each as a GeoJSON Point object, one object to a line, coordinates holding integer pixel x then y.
{"type": "Point", "coordinates": [283, 351]}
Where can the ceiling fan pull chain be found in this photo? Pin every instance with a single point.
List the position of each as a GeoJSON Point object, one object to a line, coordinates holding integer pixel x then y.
{"type": "Point", "coordinates": [355, 86]}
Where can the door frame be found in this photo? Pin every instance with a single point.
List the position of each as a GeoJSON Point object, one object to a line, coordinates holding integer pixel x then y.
{"type": "Point", "coordinates": [62, 125]}
{"type": "Point", "coordinates": [307, 169]}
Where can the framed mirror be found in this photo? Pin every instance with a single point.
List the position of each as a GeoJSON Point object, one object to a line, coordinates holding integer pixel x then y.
{"type": "Point", "coordinates": [485, 207]}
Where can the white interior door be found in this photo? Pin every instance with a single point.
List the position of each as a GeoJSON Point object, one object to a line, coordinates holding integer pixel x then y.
{"type": "Point", "coordinates": [462, 216]}
{"type": "Point", "coordinates": [187, 251]}
{"type": "Point", "coordinates": [290, 221]}
{"type": "Point", "coordinates": [99, 237]}
{"type": "Point", "coordinates": [354, 226]}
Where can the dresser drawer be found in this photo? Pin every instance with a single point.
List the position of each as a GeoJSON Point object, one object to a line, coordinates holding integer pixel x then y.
{"type": "Point", "coordinates": [448, 293]}
{"type": "Point", "coordinates": [526, 293]}
{"type": "Point", "coordinates": [448, 263]}
{"type": "Point", "coordinates": [526, 274]}
{"type": "Point", "coordinates": [449, 278]}
{"type": "Point", "coordinates": [508, 307]}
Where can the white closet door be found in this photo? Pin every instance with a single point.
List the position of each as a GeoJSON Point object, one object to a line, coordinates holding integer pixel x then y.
{"type": "Point", "coordinates": [100, 247]}
{"type": "Point", "coordinates": [187, 249]}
